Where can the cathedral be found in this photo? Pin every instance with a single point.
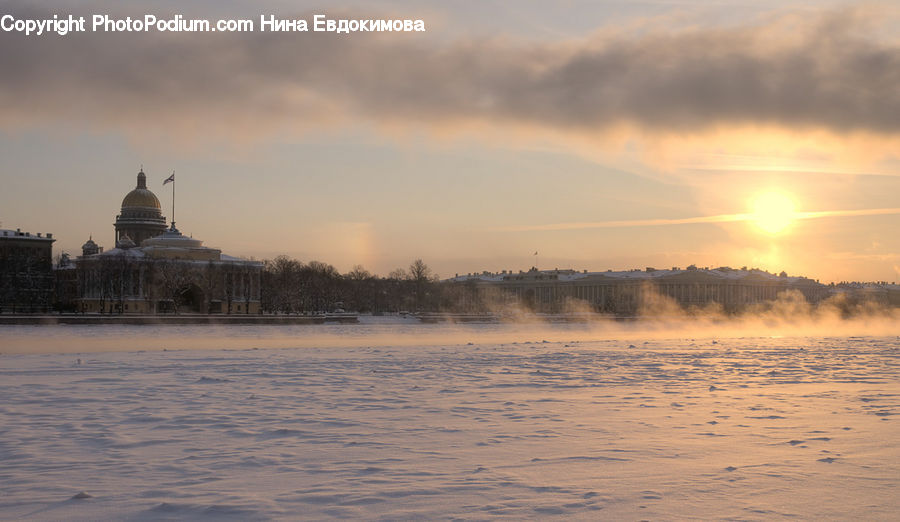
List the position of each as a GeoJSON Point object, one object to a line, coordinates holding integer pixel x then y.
{"type": "Point", "coordinates": [156, 269]}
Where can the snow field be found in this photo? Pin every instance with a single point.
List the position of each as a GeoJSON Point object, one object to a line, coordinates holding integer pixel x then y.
{"type": "Point", "coordinates": [743, 428]}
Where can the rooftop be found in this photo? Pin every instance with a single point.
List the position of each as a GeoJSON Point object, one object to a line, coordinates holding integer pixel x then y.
{"type": "Point", "coordinates": [647, 273]}
{"type": "Point", "coordinates": [18, 234]}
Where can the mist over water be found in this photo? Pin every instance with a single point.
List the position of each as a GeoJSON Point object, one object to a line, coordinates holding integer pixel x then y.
{"type": "Point", "coordinates": [659, 318]}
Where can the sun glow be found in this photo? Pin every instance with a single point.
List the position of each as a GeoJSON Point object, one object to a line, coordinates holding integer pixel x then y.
{"type": "Point", "coordinates": [773, 212]}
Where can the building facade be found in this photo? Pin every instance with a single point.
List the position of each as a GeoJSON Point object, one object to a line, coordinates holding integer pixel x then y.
{"type": "Point", "coordinates": [26, 271]}
{"type": "Point", "coordinates": [153, 270]}
{"type": "Point", "coordinates": [628, 292]}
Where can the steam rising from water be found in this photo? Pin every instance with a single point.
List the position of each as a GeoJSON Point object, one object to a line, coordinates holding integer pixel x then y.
{"type": "Point", "coordinates": [660, 318]}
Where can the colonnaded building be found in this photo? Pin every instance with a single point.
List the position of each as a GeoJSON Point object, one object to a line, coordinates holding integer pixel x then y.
{"type": "Point", "coordinates": [627, 292]}
{"type": "Point", "coordinates": [157, 269]}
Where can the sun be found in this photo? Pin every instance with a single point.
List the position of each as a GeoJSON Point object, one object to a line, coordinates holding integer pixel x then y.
{"type": "Point", "coordinates": [772, 212]}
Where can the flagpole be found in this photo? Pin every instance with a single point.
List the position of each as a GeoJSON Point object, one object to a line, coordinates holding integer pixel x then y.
{"type": "Point", "coordinates": [172, 179]}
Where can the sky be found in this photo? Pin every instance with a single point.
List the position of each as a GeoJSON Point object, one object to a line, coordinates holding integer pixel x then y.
{"type": "Point", "coordinates": [588, 135]}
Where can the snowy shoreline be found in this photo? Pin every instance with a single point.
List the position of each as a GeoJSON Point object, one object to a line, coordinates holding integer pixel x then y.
{"type": "Point", "coordinates": [166, 320]}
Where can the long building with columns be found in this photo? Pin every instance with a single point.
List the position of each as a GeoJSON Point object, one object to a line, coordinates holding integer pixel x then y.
{"type": "Point", "coordinates": [627, 292]}
{"type": "Point", "coordinates": [154, 269]}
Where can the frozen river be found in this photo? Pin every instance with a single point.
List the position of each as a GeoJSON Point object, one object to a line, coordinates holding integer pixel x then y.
{"type": "Point", "coordinates": [433, 422]}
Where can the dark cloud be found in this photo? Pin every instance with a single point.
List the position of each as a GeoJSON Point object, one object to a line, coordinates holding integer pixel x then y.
{"type": "Point", "coordinates": [821, 72]}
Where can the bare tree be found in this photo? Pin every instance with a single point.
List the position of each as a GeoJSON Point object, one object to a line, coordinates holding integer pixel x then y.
{"type": "Point", "coordinates": [118, 274]}
{"type": "Point", "coordinates": [358, 273]}
{"type": "Point", "coordinates": [247, 283]}
{"type": "Point", "coordinates": [148, 276]}
{"type": "Point", "coordinates": [419, 271]}
{"type": "Point", "coordinates": [174, 278]}
{"type": "Point", "coordinates": [211, 283]}
{"type": "Point", "coordinates": [320, 281]}
{"type": "Point", "coordinates": [422, 278]}
{"type": "Point", "coordinates": [360, 293]}
{"type": "Point", "coordinates": [281, 290]}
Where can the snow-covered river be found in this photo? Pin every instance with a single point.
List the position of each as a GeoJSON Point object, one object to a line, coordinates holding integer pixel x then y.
{"type": "Point", "coordinates": [400, 421]}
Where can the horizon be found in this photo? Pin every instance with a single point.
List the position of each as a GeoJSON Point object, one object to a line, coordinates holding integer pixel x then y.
{"type": "Point", "coordinates": [637, 135]}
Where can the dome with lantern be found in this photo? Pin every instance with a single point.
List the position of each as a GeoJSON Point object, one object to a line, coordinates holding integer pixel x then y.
{"type": "Point", "coordinates": [141, 216]}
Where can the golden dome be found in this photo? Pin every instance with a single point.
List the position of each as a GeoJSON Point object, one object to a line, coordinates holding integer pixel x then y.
{"type": "Point", "coordinates": [140, 198]}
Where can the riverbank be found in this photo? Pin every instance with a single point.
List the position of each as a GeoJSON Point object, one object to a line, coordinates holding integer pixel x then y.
{"type": "Point", "coordinates": [181, 319]}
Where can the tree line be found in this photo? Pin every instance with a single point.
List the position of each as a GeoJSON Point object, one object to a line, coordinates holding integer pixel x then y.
{"type": "Point", "coordinates": [291, 286]}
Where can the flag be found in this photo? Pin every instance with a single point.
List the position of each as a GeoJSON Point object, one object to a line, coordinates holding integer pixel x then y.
{"type": "Point", "coordinates": [170, 178]}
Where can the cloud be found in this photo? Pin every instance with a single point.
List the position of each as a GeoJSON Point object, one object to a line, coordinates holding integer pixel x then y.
{"type": "Point", "coordinates": [815, 72]}
{"type": "Point", "coordinates": [720, 218]}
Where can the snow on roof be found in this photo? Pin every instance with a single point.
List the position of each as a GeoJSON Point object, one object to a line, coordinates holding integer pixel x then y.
{"type": "Point", "coordinates": [18, 234]}
{"type": "Point", "coordinates": [140, 253]}
{"type": "Point", "coordinates": [129, 252]}
{"type": "Point", "coordinates": [226, 257]}
{"type": "Point", "coordinates": [572, 275]}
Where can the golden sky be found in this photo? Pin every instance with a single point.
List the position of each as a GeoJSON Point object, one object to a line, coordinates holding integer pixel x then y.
{"type": "Point", "coordinates": [600, 134]}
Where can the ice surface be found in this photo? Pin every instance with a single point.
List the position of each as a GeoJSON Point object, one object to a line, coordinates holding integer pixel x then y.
{"type": "Point", "coordinates": [731, 428]}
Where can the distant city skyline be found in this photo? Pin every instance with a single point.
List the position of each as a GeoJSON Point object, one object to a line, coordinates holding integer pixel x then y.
{"type": "Point", "coordinates": [634, 134]}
